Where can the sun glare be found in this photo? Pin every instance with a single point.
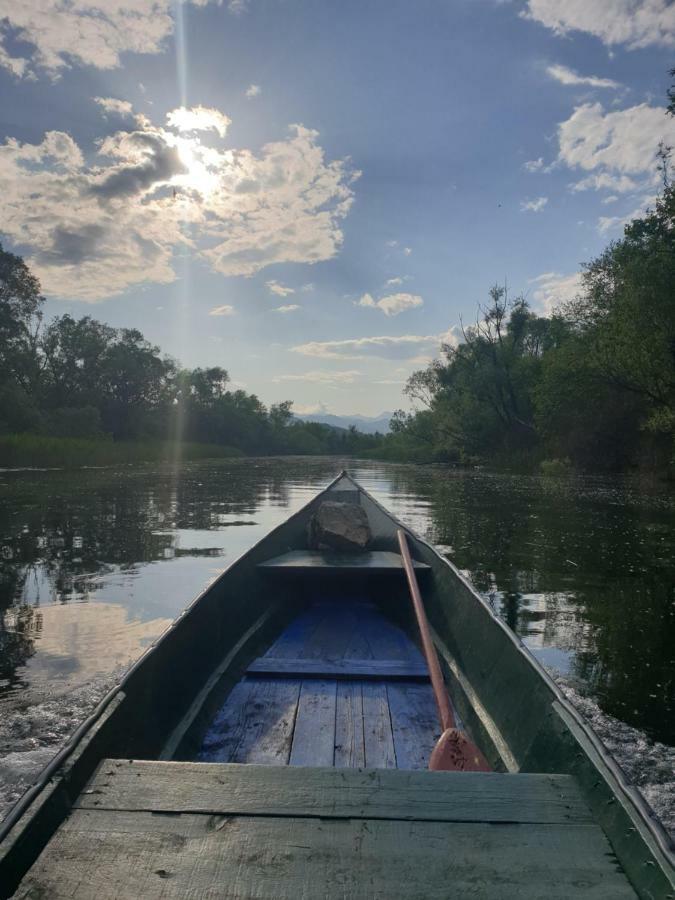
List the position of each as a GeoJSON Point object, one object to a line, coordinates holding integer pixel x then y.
{"type": "Point", "coordinates": [199, 177]}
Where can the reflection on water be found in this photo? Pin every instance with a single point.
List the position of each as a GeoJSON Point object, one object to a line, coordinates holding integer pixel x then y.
{"type": "Point", "coordinates": [94, 564]}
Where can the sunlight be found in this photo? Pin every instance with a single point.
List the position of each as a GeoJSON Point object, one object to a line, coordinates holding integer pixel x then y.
{"type": "Point", "coordinates": [199, 177]}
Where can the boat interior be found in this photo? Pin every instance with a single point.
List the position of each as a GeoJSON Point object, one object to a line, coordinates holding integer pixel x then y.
{"type": "Point", "coordinates": [342, 686]}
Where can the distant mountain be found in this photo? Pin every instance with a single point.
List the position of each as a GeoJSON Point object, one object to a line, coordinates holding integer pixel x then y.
{"type": "Point", "coordinates": [366, 424]}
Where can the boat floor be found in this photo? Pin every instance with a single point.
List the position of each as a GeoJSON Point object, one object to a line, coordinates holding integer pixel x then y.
{"type": "Point", "coordinates": [342, 686]}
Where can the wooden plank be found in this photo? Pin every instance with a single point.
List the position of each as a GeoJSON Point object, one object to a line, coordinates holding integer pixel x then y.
{"type": "Point", "coordinates": [332, 635]}
{"type": "Point", "coordinates": [294, 637]}
{"type": "Point", "coordinates": [261, 790]}
{"type": "Point", "coordinates": [378, 738]}
{"type": "Point", "coordinates": [350, 751]}
{"type": "Point", "coordinates": [379, 669]}
{"type": "Point", "coordinates": [255, 724]}
{"type": "Point", "coordinates": [367, 560]}
{"type": "Point", "coordinates": [388, 641]}
{"type": "Point", "coordinates": [414, 723]}
{"type": "Point", "coordinates": [130, 855]}
{"type": "Point", "coordinates": [314, 735]}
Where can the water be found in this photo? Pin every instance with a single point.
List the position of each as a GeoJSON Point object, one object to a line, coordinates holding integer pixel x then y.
{"type": "Point", "coordinates": [95, 564]}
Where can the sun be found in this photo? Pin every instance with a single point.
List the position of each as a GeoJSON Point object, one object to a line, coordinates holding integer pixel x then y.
{"type": "Point", "coordinates": [199, 176]}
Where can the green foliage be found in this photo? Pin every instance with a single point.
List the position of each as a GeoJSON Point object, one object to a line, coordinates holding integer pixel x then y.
{"type": "Point", "coordinates": [30, 450]}
{"type": "Point", "coordinates": [114, 390]}
{"type": "Point", "coordinates": [593, 383]}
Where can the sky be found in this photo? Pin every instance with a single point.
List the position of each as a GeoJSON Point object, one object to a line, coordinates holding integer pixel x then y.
{"type": "Point", "coordinates": [315, 195]}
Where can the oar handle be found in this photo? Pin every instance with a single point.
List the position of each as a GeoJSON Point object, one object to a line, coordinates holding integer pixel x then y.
{"type": "Point", "coordinates": [442, 702]}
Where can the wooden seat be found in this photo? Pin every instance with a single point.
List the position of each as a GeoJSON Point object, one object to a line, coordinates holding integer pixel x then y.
{"type": "Point", "coordinates": [175, 830]}
{"type": "Point", "coordinates": [375, 561]}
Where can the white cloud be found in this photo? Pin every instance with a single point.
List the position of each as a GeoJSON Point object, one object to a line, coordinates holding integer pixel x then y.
{"type": "Point", "coordinates": [611, 198]}
{"type": "Point", "coordinates": [225, 310]}
{"type": "Point", "coordinates": [407, 250]}
{"type": "Point", "coordinates": [237, 7]}
{"type": "Point", "coordinates": [534, 165]}
{"type": "Point", "coordinates": [319, 377]}
{"type": "Point", "coordinates": [86, 32]}
{"type": "Point", "coordinates": [93, 230]}
{"type": "Point", "coordinates": [552, 289]}
{"type": "Point", "coordinates": [253, 90]}
{"type": "Point", "coordinates": [281, 290]}
{"type": "Point", "coordinates": [569, 76]}
{"type": "Point", "coordinates": [393, 304]}
{"type": "Point", "coordinates": [393, 282]}
{"type": "Point", "coordinates": [384, 346]}
{"type": "Point", "coordinates": [113, 107]}
{"type": "Point", "coordinates": [533, 205]}
{"type": "Point", "coordinates": [291, 307]}
{"type": "Point", "coordinates": [617, 149]}
{"type": "Point", "coordinates": [307, 288]}
{"type": "Point", "coordinates": [636, 23]}
{"type": "Point", "coordinates": [198, 118]}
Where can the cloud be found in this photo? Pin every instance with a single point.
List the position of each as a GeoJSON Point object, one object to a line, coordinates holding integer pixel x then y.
{"type": "Point", "coordinates": [225, 310]}
{"type": "Point", "coordinates": [309, 409]}
{"type": "Point", "coordinates": [393, 282]}
{"type": "Point", "coordinates": [552, 289]}
{"type": "Point", "coordinates": [279, 289]}
{"type": "Point", "coordinates": [237, 7]}
{"type": "Point", "coordinates": [407, 251]}
{"type": "Point", "coordinates": [199, 118]}
{"type": "Point", "coordinates": [307, 288]}
{"type": "Point", "coordinates": [534, 165]}
{"type": "Point", "coordinates": [635, 23]}
{"type": "Point", "coordinates": [617, 149]}
{"type": "Point", "coordinates": [569, 76]}
{"type": "Point", "coordinates": [112, 107]}
{"type": "Point", "coordinates": [92, 230]}
{"type": "Point", "coordinates": [393, 304]}
{"type": "Point", "coordinates": [94, 33]}
{"type": "Point", "coordinates": [291, 307]}
{"type": "Point", "coordinates": [319, 377]}
{"type": "Point", "coordinates": [533, 205]}
{"type": "Point", "coordinates": [385, 346]}
{"type": "Point", "coordinates": [253, 90]}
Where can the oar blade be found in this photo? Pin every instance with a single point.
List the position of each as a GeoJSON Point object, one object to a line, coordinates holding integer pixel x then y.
{"type": "Point", "coordinates": [454, 752]}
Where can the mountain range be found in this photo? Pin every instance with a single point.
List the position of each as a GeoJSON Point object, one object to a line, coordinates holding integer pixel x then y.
{"type": "Point", "coordinates": [366, 424]}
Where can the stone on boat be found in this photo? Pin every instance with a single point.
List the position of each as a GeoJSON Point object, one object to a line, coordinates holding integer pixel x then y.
{"type": "Point", "coordinates": [339, 526]}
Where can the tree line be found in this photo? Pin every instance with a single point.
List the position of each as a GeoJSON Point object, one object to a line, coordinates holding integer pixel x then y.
{"type": "Point", "coordinates": [81, 378]}
{"type": "Point", "coordinates": [592, 385]}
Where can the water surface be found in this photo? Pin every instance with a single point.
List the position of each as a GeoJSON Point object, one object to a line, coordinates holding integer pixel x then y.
{"type": "Point", "coordinates": [94, 564]}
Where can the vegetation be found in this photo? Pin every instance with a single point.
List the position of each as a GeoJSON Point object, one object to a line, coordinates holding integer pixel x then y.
{"type": "Point", "coordinates": [77, 391]}
{"type": "Point", "coordinates": [591, 386]}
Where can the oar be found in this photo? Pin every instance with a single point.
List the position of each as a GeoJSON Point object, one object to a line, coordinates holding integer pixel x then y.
{"type": "Point", "coordinates": [453, 751]}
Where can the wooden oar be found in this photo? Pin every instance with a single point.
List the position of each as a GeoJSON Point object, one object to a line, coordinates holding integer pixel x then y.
{"type": "Point", "coordinates": [453, 751]}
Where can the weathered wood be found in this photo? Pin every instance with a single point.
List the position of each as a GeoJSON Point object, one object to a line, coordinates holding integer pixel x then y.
{"type": "Point", "coordinates": [378, 669]}
{"type": "Point", "coordinates": [130, 855]}
{"type": "Point", "coordinates": [350, 751]}
{"type": "Point", "coordinates": [333, 560]}
{"type": "Point", "coordinates": [414, 724]}
{"type": "Point", "coordinates": [314, 735]}
{"type": "Point", "coordinates": [377, 727]}
{"type": "Point", "coordinates": [255, 724]}
{"type": "Point", "coordinates": [261, 790]}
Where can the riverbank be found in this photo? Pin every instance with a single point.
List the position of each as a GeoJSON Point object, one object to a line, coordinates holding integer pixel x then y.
{"type": "Point", "coordinates": [35, 451]}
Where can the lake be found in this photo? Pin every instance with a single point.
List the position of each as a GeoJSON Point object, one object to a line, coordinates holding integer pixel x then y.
{"type": "Point", "coordinates": [95, 563]}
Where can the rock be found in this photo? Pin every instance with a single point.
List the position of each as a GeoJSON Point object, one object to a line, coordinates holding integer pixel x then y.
{"type": "Point", "coordinates": [339, 526]}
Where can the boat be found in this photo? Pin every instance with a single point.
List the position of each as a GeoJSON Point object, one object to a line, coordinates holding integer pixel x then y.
{"type": "Point", "coordinates": [275, 742]}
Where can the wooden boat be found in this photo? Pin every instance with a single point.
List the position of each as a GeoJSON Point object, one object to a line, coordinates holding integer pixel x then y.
{"type": "Point", "coordinates": [274, 743]}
